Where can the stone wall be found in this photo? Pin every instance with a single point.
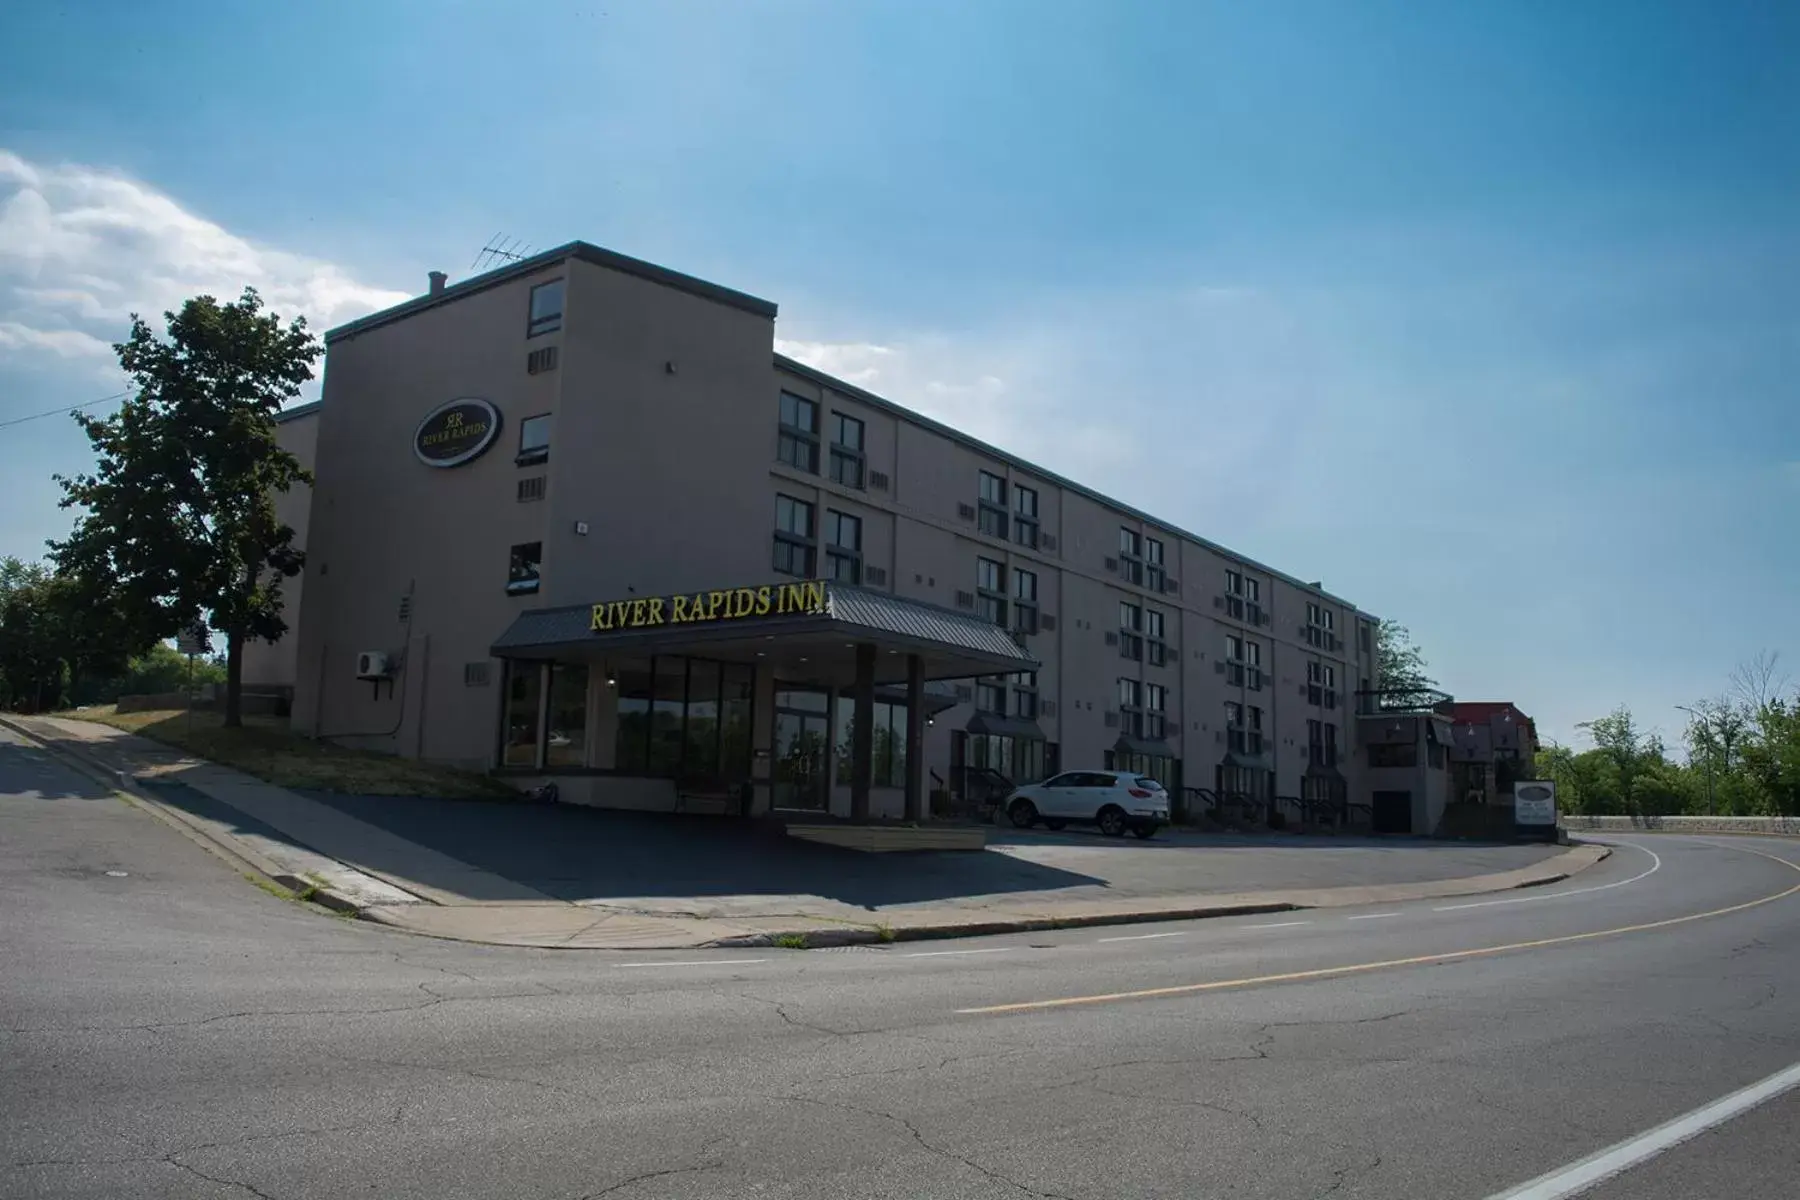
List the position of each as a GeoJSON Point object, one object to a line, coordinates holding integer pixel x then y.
{"type": "Point", "coordinates": [1787, 826]}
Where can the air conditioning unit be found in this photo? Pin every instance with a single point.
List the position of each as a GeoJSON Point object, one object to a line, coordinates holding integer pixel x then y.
{"type": "Point", "coordinates": [373, 664]}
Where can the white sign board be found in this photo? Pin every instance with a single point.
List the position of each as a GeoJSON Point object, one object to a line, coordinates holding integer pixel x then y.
{"type": "Point", "coordinates": [1534, 802]}
{"type": "Point", "coordinates": [193, 640]}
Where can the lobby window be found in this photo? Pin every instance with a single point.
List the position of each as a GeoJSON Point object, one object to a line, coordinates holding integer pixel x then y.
{"type": "Point", "coordinates": [1156, 642]}
{"type": "Point", "coordinates": [534, 440]}
{"type": "Point", "coordinates": [1156, 706]}
{"type": "Point", "coordinates": [1025, 694]}
{"type": "Point", "coordinates": [993, 505]}
{"type": "Point", "coordinates": [990, 590]}
{"type": "Point", "coordinates": [887, 743]}
{"type": "Point", "coordinates": [1321, 684]}
{"type": "Point", "coordinates": [843, 547]}
{"type": "Point", "coordinates": [1153, 564]}
{"type": "Point", "coordinates": [1131, 707]}
{"type": "Point", "coordinates": [846, 450]}
{"type": "Point", "coordinates": [794, 539]}
{"type": "Point", "coordinates": [565, 736]}
{"type": "Point", "coordinates": [990, 698]}
{"type": "Point", "coordinates": [1025, 515]}
{"type": "Point", "coordinates": [1131, 631]}
{"type": "Point", "coordinates": [1131, 555]}
{"type": "Point", "coordinates": [522, 569]}
{"type": "Point", "coordinates": [1025, 600]}
{"type": "Point", "coordinates": [546, 308]}
{"type": "Point", "coordinates": [685, 719]}
{"type": "Point", "coordinates": [524, 696]}
{"type": "Point", "coordinates": [799, 441]}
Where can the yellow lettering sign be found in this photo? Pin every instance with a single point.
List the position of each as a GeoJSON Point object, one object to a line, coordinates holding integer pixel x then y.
{"type": "Point", "coordinates": [762, 600]}
{"type": "Point", "coordinates": [678, 608]}
{"type": "Point", "coordinates": [602, 618]}
{"type": "Point", "coordinates": [808, 598]}
{"type": "Point", "coordinates": [656, 607]}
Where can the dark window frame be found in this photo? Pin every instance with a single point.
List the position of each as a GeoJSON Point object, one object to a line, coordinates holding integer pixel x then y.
{"type": "Point", "coordinates": [991, 500]}
{"type": "Point", "coordinates": [848, 462]}
{"type": "Point", "coordinates": [789, 544]}
{"type": "Point", "coordinates": [991, 602]}
{"type": "Point", "coordinates": [1155, 570]}
{"type": "Point", "coordinates": [839, 553]}
{"type": "Point", "coordinates": [795, 440]}
{"type": "Point", "coordinates": [524, 571]}
{"type": "Point", "coordinates": [538, 326]}
{"type": "Point", "coordinates": [531, 455]}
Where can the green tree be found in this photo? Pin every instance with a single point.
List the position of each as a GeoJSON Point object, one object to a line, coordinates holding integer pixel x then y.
{"type": "Point", "coordinates": [1399, 660]}
{"type": "Point", "coordinates": [178, 521]}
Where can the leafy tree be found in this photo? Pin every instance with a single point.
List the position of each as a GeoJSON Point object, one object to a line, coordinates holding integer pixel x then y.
{"type": "Point", "coordinates": [178, 522]}
{"type": "Point", "coordinates": [1399, 659]}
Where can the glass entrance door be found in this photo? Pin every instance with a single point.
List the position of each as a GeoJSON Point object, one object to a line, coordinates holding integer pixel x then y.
{"type": "Point", "coordinates": [802, 752]}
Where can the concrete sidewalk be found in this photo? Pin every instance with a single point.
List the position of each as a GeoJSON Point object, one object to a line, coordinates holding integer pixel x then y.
{"type": "Point", "coordinates": [322, 846]}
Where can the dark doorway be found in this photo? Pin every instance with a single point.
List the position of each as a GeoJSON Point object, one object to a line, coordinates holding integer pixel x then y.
{"type": "Point", "coordinates": [801, 754]}
{"type": "Point", "coordinates": [1392, 812]}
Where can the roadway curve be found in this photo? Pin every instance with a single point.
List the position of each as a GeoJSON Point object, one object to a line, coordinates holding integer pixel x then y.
{"type": "Point", "coordinates": [170, 1032]}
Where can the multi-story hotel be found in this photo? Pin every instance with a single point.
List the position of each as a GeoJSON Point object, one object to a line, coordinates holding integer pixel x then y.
{"type": "Point", "coordinates": [576, 519]}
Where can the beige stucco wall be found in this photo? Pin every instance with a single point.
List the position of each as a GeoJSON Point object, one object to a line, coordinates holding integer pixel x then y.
{"type": "Point", "coordinates": [273, 664]}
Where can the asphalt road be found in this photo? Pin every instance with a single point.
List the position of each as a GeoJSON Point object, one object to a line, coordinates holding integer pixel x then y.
{"type": "Point", "coordinates": [167, 1030]}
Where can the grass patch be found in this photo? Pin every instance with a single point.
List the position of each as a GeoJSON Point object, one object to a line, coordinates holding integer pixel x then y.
{"type": "Point", "coordinates": [791, 941]}
{"type": "Point", "coordinates": [266, 748]}
{"type": "Point", "coordinates": [884, 932]}
{"type": "Point", "coordinates": [270, 886]}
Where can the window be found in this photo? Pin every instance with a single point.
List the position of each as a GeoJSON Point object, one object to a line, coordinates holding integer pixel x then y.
{"type": "Point", "coordinates": [1156, 700]}
{"type": "Point", "coordinates": [1243, 596]}
{"type": "Point", "coordinates": [1025, 515]}
{"type": "Point", "coordinates": [1405, 754]}
{"type": "Point", "coordinates": [684, 718]}
{"type": "Point", "coordinates": [1319, 624]}
{"type": "Point", "coordinates": [993, 505]}
{"type": "Point", "coordinates": [794, 543]}
{"type": "Point", "coordinates": [990, 587]}
{"type": "Point", "coordinates": [1131, 629]}
{"type": "Point", "coordinates": [522, 570]}
{"type": "Point", "coordinates": [1321, 743]}
{"type": "Point", "coordinates": [1364, 637]}
{"type": "Point", "coordinates": [1025, 595]}
{"type": "Point", "coordinates": [843, 547]}
{"type": "Point", "coordinates": [1243, 728]}
{"type": "Point", "coordinates": [546, 308]}
{"type": "Point", "coordinates": [534, 440]}
{"type": "Point", "coordinates": [1153, 564]}
{"type": "Point", "coordinates": [1025, 694]}
{"type": "Point", "coordinates": [1131, 555]}
{"type": "Point", "coordinates": [846, 450]}
{"type": "Point", "coordinates": [1131, 707]}
{"type": "Point", "coordinates": [1321, 684]}
{"type": "Point", "coordinates": [565, 739]}
{"type": "Point", "coordinates": [1234, 660]}
{"type": "Point", "coordinates": [991, 698]}
{"type": "Point", "coordinates": [887, 743]}
{"type": "Point", "coordinates": [798, 445]}
{"type": "Point", "coordinates": [1156, 646]}
{"type": "Point", "coordinates": [524, 683]}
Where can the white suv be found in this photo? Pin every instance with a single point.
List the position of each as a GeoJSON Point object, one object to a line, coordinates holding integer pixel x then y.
{"type": "Point", "coordinates": [1113, 800]}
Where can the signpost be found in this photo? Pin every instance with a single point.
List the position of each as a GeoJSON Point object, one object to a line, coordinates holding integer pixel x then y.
{"type": "Point", "coordinates": [192, 641]}
{"type": "Point", "coordinates": [1534, 808]}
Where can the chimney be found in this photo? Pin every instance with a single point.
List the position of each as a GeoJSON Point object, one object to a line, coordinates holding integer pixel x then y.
{"type": "Point", "coordinates": [438, 279]}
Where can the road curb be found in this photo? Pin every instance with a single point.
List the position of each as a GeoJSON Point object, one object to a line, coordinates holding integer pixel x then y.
{"type": "Point", "coordinates": [128, 788]}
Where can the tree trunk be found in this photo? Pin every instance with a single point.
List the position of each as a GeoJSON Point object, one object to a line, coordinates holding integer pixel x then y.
{"type": "Point", "coordinates": [234, 680]}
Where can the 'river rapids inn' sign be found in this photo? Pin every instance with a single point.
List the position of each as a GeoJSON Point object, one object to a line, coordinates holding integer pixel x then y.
{"type": "Point", "coordinates": [730, 604]}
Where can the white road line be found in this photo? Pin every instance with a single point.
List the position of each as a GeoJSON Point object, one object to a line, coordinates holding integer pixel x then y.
{"type": "Point", "coordinates": [1372, 916]}
{"type": "Point", "coordinates": [1139, 937]}
{"type": "Point", "coordinates": [1278, 925]}
{"type": "Point", "coordinates": [1579, 1176]}
{"type": "Point", "coordinates": [949, 953]}
{"type": "Point", "coordinates": [698, 962]}
{"type": "Point", "coordinates": [1655, 865]}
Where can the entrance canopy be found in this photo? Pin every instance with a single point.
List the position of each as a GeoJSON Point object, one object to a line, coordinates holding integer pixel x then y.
{"type": "Point", "coordinates": [801, 629]}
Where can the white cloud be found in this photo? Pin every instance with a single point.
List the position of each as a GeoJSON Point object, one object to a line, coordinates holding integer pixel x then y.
{"type": "Point", "coordinates": [82, 248]}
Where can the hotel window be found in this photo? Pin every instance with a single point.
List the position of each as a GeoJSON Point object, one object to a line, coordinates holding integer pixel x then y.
{"type": "Point", "coordinates": [1131, 631]}
{"type": "Point", "coordinates": [534, 440]}
{"type": "Point", "coordinates": [1243, 728]}
{"type": "Point", "coordinates": [1321, 743]}
{"type": "Point", "coordinates": [1131, 707]}
{"type": "Point", "coordinates": [522, 569]}
{"type": "Point", "coordinates": [846, 450]}
{"type": "Point", "coordinates": [990, 589]}
{"type": "Point", "coordinates": [1321, 684]}
{"type": "Point", "coordinates": [799, 440]}
{"type": "Point", "coordinates": [993, 505]}
{"type": "Point", "coordinates": [565, 735]}
{"type": "Point", "coordinates": [1319, 626]}
{"type": "Point", "coordinates": [1025, 694]}
{"type": "Point", "coordinates": [1243, 596]}
{"type": "Point", "coordinates": [1025, 515]}
{"type": "Point", "coordinates": [524, 702]}
{"type": "Point", "coordinates": [990, 698]}
{"type": "Point", "coordinates": [794, 542]}
{"type": "Point", "coordinates": [1025, 595]}
{"type": "Point", "coordinates": [843, 547]}
{"type": "Point", "coordinates": [546, 309]}
{"type": "Point", "coordinates": [1131, 555]}
{"type": "Point", "coordinates": [1156, 701]}
{"type": "Point", "coordinates": [887, 743]}
{"type": "Point", "coordinates": [1156, 644]}
{"type": "Point", "coordinates": [1153, 564]}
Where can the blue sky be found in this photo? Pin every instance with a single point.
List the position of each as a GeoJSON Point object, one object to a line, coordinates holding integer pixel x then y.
{"type": "Point", "coordinates": [1488, 315]}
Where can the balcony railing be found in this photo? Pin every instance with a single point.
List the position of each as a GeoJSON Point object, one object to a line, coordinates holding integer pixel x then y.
{"type": "Point", "coordinates": [1382, 701]}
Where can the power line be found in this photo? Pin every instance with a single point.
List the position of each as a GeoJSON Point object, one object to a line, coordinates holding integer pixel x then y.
{"type": "Point", "coordinates": [71, 408]}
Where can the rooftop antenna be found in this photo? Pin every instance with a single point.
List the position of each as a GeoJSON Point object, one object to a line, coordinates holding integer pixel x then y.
{"type": "Point", "coordinates": [501, 251]}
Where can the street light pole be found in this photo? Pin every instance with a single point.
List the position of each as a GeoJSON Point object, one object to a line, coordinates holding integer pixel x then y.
{"type": "Point", "coordinates": [1705, 724]}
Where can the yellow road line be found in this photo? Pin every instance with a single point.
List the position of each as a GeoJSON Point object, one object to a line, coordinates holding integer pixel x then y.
{"type": "Point", "coordinates": [1187, 989]}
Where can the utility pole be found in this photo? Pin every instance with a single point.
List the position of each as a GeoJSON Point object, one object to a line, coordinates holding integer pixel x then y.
{"type": "Point", "coordinates": [1701, 720]}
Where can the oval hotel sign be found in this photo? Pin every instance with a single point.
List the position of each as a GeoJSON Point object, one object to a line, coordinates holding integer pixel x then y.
{"type": "Point", "coordinates": [455, 433]}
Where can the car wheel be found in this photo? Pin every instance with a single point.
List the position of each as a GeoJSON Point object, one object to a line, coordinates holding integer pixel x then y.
{"type": "Point", "coordinates": [1146, 832]}
{"type": "Point", "coordinates": [1112, 821]}
{"type": "Point", "coordinates": [1055, 824]}
{"type": "Point", "coordinates": [1022, 813]}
